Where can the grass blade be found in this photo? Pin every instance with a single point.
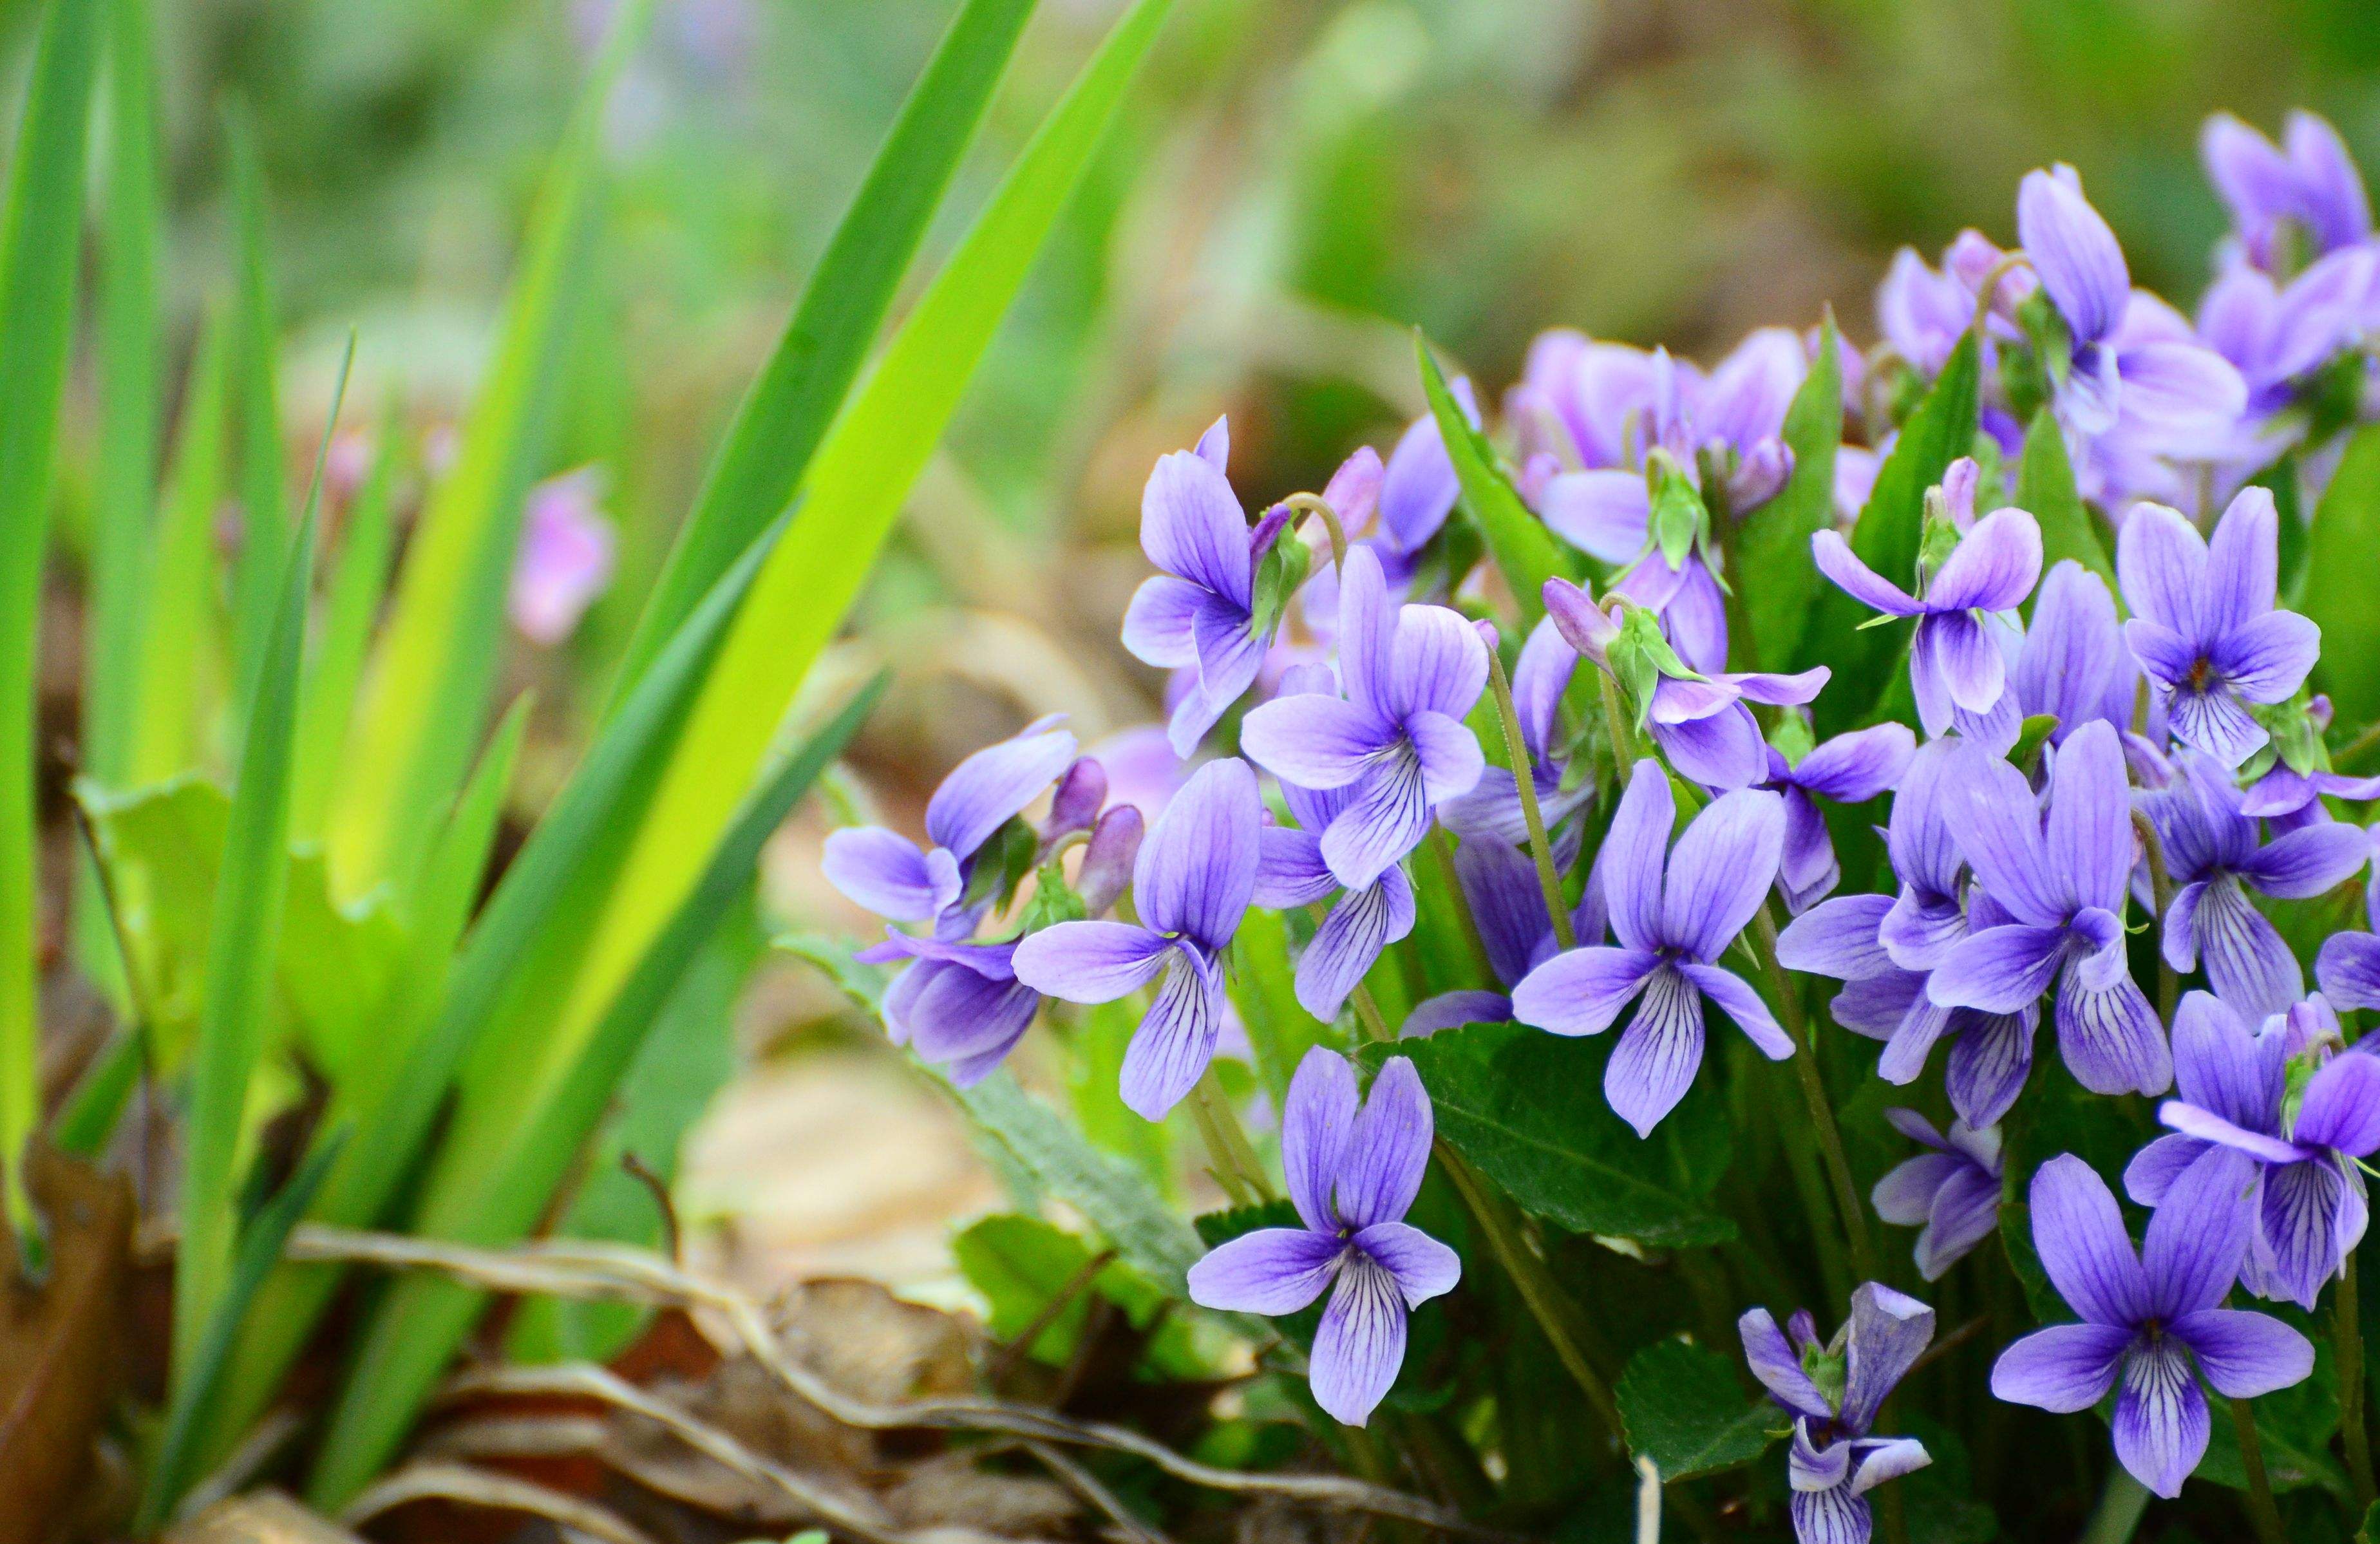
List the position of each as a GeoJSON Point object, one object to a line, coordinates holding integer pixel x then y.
{"type": "Point", "coordinates": [2044, 484]}
{"type": "Point", "coordinates": [40, 234]}
{"type": "Point", "coordinates": [423, 1320]}
{"type": "Point", "coordinates": [1523, 551]}
{"type": "Point", "coordinates": [2340, 594]}
{"type": "Point", "coordinates": [357, 583]}
{"type": "Point", "coordinates": [1777, 580]}
{"type": "Point", "coordinates": [265, 537]}
{"type": "Point", "coordinates": [241, 947]}
{"type": "Point", "coordinates": [178, 638]}
{"type": "Point", "coordinates": [431, 677]}
{"type": "Point", "coordinates": [785, 413]}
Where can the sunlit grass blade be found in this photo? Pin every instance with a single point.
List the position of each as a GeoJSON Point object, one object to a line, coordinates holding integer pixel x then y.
{"type": "Point", "coordinates": [853, 493]}
{"type": "Point", "coordinates": [358, 578]}
{"type": "Point", "coordinates": [1776, 580]}
{"type": "Point", "coordinates": [426, 692]}
{"type": "Point", "coordinates": [41, 231]}
{"type": "Point", "coordinates": [240, 945]}
{"type": "Point", "coordinates": [786, 411]}
{"type": "Point", "coordinates": [178, 638]}
{"type": "Point", "coordinates": [174, 1469]}
{"type": "Point", "coordinates": [542, 896]}
{"type": "Point", "coordinates": [264, 522]}
{"type": "Point", "coordinates": [423, 1320]}
{"type": "Point", "coordinates": [1523, 551]}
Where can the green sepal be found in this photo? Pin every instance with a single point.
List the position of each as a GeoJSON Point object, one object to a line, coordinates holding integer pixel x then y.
{"type": "Point", "coordinates": [1053, 899]}
{"type": "Point", "coordinates": [1679, 518]}
{"type": "Point", "coordinates": [2030, 737]}
{"type": "Point", "coordinates": [1002, 864]}
{"type": "Point", "coordinates": [1640, 656]}
{"type": "Point", "coordinates": [1282, 574]}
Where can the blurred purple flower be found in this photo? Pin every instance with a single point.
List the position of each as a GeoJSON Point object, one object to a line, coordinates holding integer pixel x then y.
{"type": "Point", "coordinates": [2309, 182]}
{"type": "Point", "coordinates": [565, 556]}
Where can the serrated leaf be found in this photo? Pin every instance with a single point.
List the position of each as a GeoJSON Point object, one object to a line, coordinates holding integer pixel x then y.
{"type": "Point", "coordinates": [2342, 593]}
{"type": "Point", "coordinates": [2044, 485]}
{"type": "Point", "coordinates": [1779, 582]}
{"type": "Point", "coordinates": [1685, 1410]}
{"type": "Point", "coordinates": [1527, 1109]}
{"type": "Point", "coordinates": [1523, 551]}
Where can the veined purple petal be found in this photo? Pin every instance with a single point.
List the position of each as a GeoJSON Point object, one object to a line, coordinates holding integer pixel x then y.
{"type": "Point", "coordinates": [1777, 691]}
{"type": "Point", "coordinates": [2160, 1422]}
{"type": "Point", "coordinates": [2266, 658]}
{"type": "Point", "coordinates": [1170, 1050]}
{"type": "Point", "coordinates": [1634, 856]}
{"type": "Point", "coordinates": [2000, 970]}
{"type": "Point", "coordinates": [1998, 825]}
{"type": "Point", "coordinates": [1156, 624]}
{"type": "Point", "coordinates": [1877, 1459]}
{"type": "Point", "coordinates": [2198, 1238]}
{"type": "Point", "coordinates": [2342, 1106]}
{"type": "Point", "coordinates": [1736, 999]}
{"type": "Point", "coordinates": [1451, 1010]}
{"type": "Point", "coordinates": [1830, 1516]}
{"type": "Point", "coordinates": [1386, 819]}
{"type": "Point", "coordinates": [1317, 1119]}
{"type": "Point", "coordinates": [2214, 721]}
{"type": "Point", "coordinates": [1920, 928]}
{"type": "Point", "coordinates": [1720, 872]}
{"type": "Point", "coordinates": [1361, 1343]}
{"type": "Point", "coordinates": [1678, 700]}
{"type": "Point", "coordinates": [2073, 649]}
{"type": "Point", "coordinates": [1582, 991]}
{"type": "Point", "coordinates": [1988, 1063]}
{"type": "Point", "coordinates": [2111, 1038]}
{"type": "Point", "coordinates": [1836, 560]}
{"type": "Point", "coordinates": [1837, 938]}
{"type": "Point", "coordinates": [1451, 759]}
{"type": "Point", "coordinates": [1888, 1330]}
{"type": "Point", "coordinates": [1387, 1149]}
{"type": "Point", "coordinates": [1229, 653]}
{"type": "Point", "coordinates": [2302, 1217]}
{"type": "Point", "coordinates": [1919, 839]}
{"type": "Point", "coordinates": [885, 873]}
{"type": "Point", "coordinates": [2153, 1169]}
{"type": "Point", "coordinates": [994, 783]}
{"type": "Point", "coordinates": [1993, 568]}
{"type": "Point", "coordinates": [2161, 564]}
{"type": "Point", "coordinates": [2218, 1064]}
{"type": "Point", "coordinates": [1368, 624]}
{"type": "Point", "coordinates": [1723, 751]}
{"type": "Point", "coordinates": [1420, 1265]}
{"type": "Point", "coordinates": [1437, 664]}
{"type": "Point", "coordinates": [2079, 1236]}
{"type": "Point", "coordinates": [1695, 616]}
{"type": "Point", "coordinates": [1904, 1196]}
{"type": "Point", "coordinates": [2300, 863]}
{"type": "Point", "coordinates": [2348, 969]}
{"type": "Point", "coordinates": [1363, 923]}
{"type": "Point", "coordinates": [1603, 513]}
{"type": "Point", "coordinates": [2243, 562]}
{"type": "Point", "coordinates": [1775, 1362]}
{"type": "Point", "coordinates": [1966, 1213]}
{"type": "Point", "coordinates": [1881, 1006]}
{"type": "Point", "coordinates": [1953, 650]}
{"type": "Point", "coordinates": [2247, 964]}
{"type": "Point", "coordinates": [1860, 765]}
{"type": "Point", "coordinates": [2211, 1129]}
{"type": "Point", "coordinates": [1197, 868]}
{"type": "Point", "coordinates": [1655, 1063]}
{"type": "Point", "coordinates": [2089, 837]}
{"type": "Point", "coordinates": [1315, 741]}
{"type": "Point", "coordinates": [2244, 1353]}
{"type": "Point", "coordinates": [1499, 883]}
{"type": "Point", "coordinates": [2063, 1368]}
{"type": "Point", "coordinates": [1912, 1041]}
{"type": "Point", "coordinates": [2073, 252]}
{"type": "Point", "coordinates": [1271, 1271]}
{"type": "Point", "coordinates": [1191, 524]}
{"type": "Point", "coordinates": [1090, 962]}
{"type": "Point", "coordinates": [1290, 870]}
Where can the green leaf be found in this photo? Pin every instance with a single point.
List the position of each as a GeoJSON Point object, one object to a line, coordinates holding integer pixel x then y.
{"type": "Point", "coordinates": [41, 231]}
{"type": "Point", "coordinates": [431, 676]}
{"type": "Point", "coordinates": [2368, 1531]}
{"type": "Point", "coordinates": [358, 580]}
{"type": "Point", "coordinates": [2044, 484]}
{"type": "Point", "coordinates": [1886, 537]}
{"type": "Point", "coordinates": [177, 638]}
{"type": "Point", "coordinates": [419, 1325]}
{"type": "Point", "coordinates": [2341, 594]}
{"type": "Point", "coordinates": [1527, 1109]}
{"type": "Point", "coordinates": [1770, 547]}
{"type": "Point", "coordinates": [255, 346]}
{"type": "Point", "coordinates": [1021, 1265]}
{"type": "Point", "coordinates": [164, 848]}
{"type": "Point", "coordinates": [1264, 990]}
{"type": "Point", "coordinates": [1525, 551]}
{"type": "Point", "coordinates": [1685, 1411]}
{"type": "Point", "coordinates": [785, 413]}
{"type": "Point", "coordinates": [1109, 1193]}
{"type": "Point", "coordinates": [2294, 1426]}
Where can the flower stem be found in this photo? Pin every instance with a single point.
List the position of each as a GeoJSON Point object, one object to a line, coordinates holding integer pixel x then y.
{"type": "Point", "coordinates": [1316, 504]}
{"type": "Point", "coordinates": [2161, 897]}
{"type": "Point", "coordinates": [2118, 1515]}
{"type": "Point", "coordinates": [2346, 1340]}
{"type": "Point", "coordinates": [2267, 1515]}
{"type": "Point", "coordinates": [1235, 1164]}
{"type": "Point", "coordinates": [1814, 1093]}
{"type": "Point", "coordinates": [1524, 779]}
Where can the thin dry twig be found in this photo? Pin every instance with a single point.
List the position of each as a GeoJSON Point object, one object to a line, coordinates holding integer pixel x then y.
{"type": "Point", "coordinates": [276, 1431]}
{"type": "Point", "coordinates": [573, 1269]}
{"type": "Point", "coordinates": [1084, 1483]}
{"type": "Point", "coordinates": [433, 1480]}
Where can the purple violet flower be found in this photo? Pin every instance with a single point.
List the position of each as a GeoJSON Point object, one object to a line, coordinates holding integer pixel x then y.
{"type": "Point", "coordinates": [1672, 934]}
{"type": "Point", "coordinates": [2062, 884]}
{"type": "Point", "coordinates": [2073, 664]}
{"type": "Point", "coordinates": [2146, 1315]}
{"type": "Point", "coordinates": [2213, 855]}
{"type": "Point", "coordinates": [1192, 883]}
{"type": "Point", "coordinates": [2348, 969]}
{"type": "Point", "coordinates": [2308, 182]}
{"type": "Point", "coordinates": [2236, 1092]}
{"type": "Point", "coordinates": [1417, 487]}
{"type": "Point", "coordinates": [1849, 769]}
{"type": "Point", "coordinates": [1493, 808]}
{"type": "Point", "coordinates": [2204, 626]}
{"type": "Point", "coordinates": [566, 555]}
{"type": "Point", "coordinates": [1953, 662]}
{"type": "Point", "coordinates": [1833, 1393]}
{"type": "Point", "coordinates": [1397, 738]}
{"type": "Point", "coordinates": [1952, 1194]}
{"type": "Point", "coordinates": [1353, 1168]}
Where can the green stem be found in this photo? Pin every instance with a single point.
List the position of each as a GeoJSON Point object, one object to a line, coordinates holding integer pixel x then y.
{"type": "Point", "coordinates": [1316, 504]}
{"type": "Point", "coordinates": [1615, 723]}
{"type": "Point", "coordinates": [1814, 1094]}
{"type": "Point", "coordinates": [2261, 1510]}
{"type": "Point", "coordinates": [2118, 1515]}
{"type": "Point", "coordinates": [2161, 897]}
{"type": "Point", "coordinates": [1525, 778]}
{"type": "Point", "coordinates": [1236, 1167]}
{"type": "Point", "coordinates": [2346, 1340]}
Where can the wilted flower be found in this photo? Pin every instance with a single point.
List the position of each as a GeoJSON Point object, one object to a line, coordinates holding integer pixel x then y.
{"type": "Point", "coordinates": [1833, 1393]}
{"type": "Point", "coordinates": [1952, 1192]}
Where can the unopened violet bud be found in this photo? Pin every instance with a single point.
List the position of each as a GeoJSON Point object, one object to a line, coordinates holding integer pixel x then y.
{"type": "Point", "coordinates": [1487, 633]}
{"type": "Point", "coordinates": [1076, 806]}
{"type": "Point", "coordinates": [1760, 475]}
{"type": "Point", "coordinates": [1108, 859]}
{"type": "Point", "coordinates": [1958, 481]}
{"type": "Point", "coordinates": [2318, 712]}
{"type": "Point", "coordinates": [1582, 624]}
{"type": "Point", "coordinates": [565, 557]}
{"type": "Point", "coordinates": [1353, 491]}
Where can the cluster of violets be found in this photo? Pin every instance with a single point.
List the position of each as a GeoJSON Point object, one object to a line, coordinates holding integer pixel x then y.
{"type": "Point", "coordinates": [2079, 751]}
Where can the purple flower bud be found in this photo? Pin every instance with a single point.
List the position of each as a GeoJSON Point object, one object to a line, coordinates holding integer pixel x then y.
{"type": "Point", "coordinates": [565, 557]}
{"type": "Point", "coordinates": [1582, 625]}
{"type": "Point", "coordinates": [1082, 792]}
{"type": "Point", "coordinates": [1108, 859]}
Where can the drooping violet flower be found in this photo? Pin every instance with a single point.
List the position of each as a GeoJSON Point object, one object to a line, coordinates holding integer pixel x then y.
{"type": "Point", "coordinates": [1953, 663]}
{"type": "Point", "coordinates": [2062, 885]}
{"type": "Point", "coordinates": [2204, 626]}
{"type": "Point", "coordinates": [566, 556]}
{"type": "Point", "coordinates": [2310, 1209]}
{"type": "Point", "coordinates": [2214, 857]}
{"type": "Point", "coordinates": [1606, 515]}
{"type": "Point", "coordinates": [2290, 798]}
{"type": "Point", "coordinates": [1951, 1194]}
{"type": "Point", "coordinates": [1353, 1168]}
{"type": "Point", "coordinates": [2308, 183]}
{"type": "Point", "coordinates": [1674, 914]}
{"type": "Point", "coordinates": [1833, 1393]}
{"type": "Point", "coordinates": [1703, 726]}
{"type": "Point", "coordinates": [1493, 808]}
{"type": "Point", "coordinates": [1191, 883]}
{"type": "Point", "coordinates": [1849, 769]}
{"type": "Point", "coordinates": [2146, 1317]}
{"type": "Point", "coordinates": [1396, 738]}
{"type": "Point", "coordinates": [1197, 613]}
{"type": "Point", "coordinates": [2155, 387]}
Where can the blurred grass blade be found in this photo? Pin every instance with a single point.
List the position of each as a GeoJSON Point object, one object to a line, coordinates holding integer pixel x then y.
{"type": "Point", "coordinates": [1523, 551]}
{"type": "Point", "coordinates": [263, 523]}
{"type": "Point", "coordinates": [2044, 484]}
{"type": "Point", "coordinates": [542, 896]}
{"type": "Point", "coordinates": [422, 1321]}
{"type": "Point", "coordinates": [177, 640]}
{"type": "Point", "coordinates": [174, 1468]}
{"type": "Point", "coordinates": [2341, 594]}
{"type": "Point", "coordinates": [41, 231]}
{"type": "Point", "coordinates": [426, 693]}
{"type": "Point", "coordinates": [787, 410]}
{"type": "Point", "coordinates": [358, 582]}
{"type": "Point", "coordinates": [1776, 580]}
{"type": "Point", "coordinates": [854, 491]}
{"type": "Point", "coordinates": [241, 947]}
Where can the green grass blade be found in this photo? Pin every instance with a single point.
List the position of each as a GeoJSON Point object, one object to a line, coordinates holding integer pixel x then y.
{"type": "Point", "coordinates": [260, 1243]}
{"type": "Point", "coordinates": [41, 230]}
{"type": "Point", "coordinates": [247, 925]}
{"type": "Point", "coordinates": [428, 688]}
{"type": "Point", "coordinates": [177, 637]}
{"type": "Point", "coordinates": [1523, 551]}
{"type": "Point", "coordinates": [264, 536]}
{"type": "Point", "coordinates": [787, 410]}
{"type": "Point", "coordinates": [2340, 594]}
{"type": "Point", "coordinates": [422, 1321]}
{"type": "Point", "coordinates": [1774, 576]}
{"type": "Point", "coordinates": [358, 582]}
{"type": "Point", "coordinates": [853, 493]}
{"type": "Point", "coordinates": [2044, 484]}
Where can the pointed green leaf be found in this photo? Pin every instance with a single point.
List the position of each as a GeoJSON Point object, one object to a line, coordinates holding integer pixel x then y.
{"type": "Point", "coordinates": [1685, 1410]}
{"type": "Point", "coordinates": [263, 542]}
{"type": "Point", "coordinates": [1770, 549]}
{"type": "Point", "coordinates": [358, 580]}
{"type": "Point", "coordinates": [2044, 484]}
{"type": "Point", "coordinates": [178, 641]}
{"type": "Point", "coordinates": [1523, 551]}
{"type": "Point", "coordinates": [2342, 588]}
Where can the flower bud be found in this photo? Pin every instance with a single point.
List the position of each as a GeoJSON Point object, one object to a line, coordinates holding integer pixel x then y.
{"type": "Point", "coordinates": [1081, 792]}
{"type": "Point", "coordinates": [1107, 862]}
